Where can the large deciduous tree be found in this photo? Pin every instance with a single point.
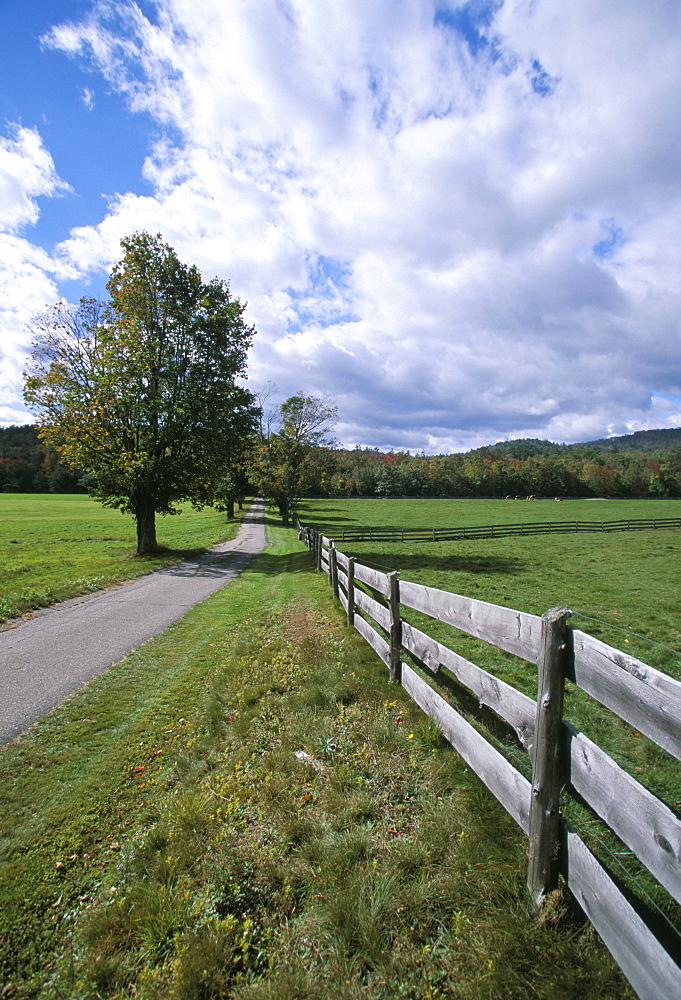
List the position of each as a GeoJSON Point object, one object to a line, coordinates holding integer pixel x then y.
{"type": "Point", "coordinates": [141, 391]}
{"type": "Point", "coordinates": [291, 462]}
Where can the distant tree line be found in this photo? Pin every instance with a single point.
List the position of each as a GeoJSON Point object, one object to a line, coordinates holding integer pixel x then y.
{"type": "Point", "coordinates": [29, 466]}
{"type": "Point", "coordinates": [521, 468]}
{"type": "Point", "coordinates": [293, 463]}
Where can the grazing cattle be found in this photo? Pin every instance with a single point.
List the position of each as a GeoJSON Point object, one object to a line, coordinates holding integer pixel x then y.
{"type": "Point", "coordinates": [558, 499]}
{"type": "Point", "coordinates": [532, 497]}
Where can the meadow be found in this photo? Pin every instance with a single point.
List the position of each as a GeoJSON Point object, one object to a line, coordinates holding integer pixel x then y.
{"type": "Point", "coordinates": [246, 808]}
{"type": "Point", "coordinates": [59, 546]}
{"type": "Point", "coordinates": [624, 587]}
{"type": "Point", "coordinates": [336, 514]}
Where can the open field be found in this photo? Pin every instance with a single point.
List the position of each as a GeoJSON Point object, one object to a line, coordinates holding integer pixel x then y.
{"type": "Point", "coordinates": [59, 546]}
{"type": "Point", "coordinates": [616, 584]}
{"type": "Point", "coordinates": [245, 807]}
{"type": "Point", "coordinates": [624, 588]}
{"type": "Point", "coordinates": [337, 514]}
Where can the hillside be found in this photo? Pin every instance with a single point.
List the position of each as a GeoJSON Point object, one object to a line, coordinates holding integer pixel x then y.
{"type": "Point", "coordinates": [655, 440]}
{"type": "Point", "coordinates": [661, 439]}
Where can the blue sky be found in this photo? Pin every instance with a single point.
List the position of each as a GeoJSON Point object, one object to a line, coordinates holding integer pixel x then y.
{"type": "Point", "coordinates": [461, 219]}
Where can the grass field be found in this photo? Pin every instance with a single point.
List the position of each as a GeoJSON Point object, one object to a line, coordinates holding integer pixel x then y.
{"type": "Point", "coordinates": [245, 808]}
{"type": "Point", "coordinates": [623, 587]}
{"type": "Point", "coordinates": [336, 514]}
{"type": "Point", "coordinates": [56, 547]}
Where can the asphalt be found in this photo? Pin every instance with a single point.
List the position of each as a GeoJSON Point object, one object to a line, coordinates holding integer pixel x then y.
{"type": "Point", "coordinates": [47, 657]}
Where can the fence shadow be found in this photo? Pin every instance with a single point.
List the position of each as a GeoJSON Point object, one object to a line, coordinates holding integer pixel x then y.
{"type": "Point", "coordinates": [322, 520]}
{"type": "Point", "coordinates": [462, 564]}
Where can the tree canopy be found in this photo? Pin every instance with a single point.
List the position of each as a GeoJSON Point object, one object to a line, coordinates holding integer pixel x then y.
{"type": "Point", "coordinates": [291, 461]}
{"type": "Point", "coordinates": [141, 391]}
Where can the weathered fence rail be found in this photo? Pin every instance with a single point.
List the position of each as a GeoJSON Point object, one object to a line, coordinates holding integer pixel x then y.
{"type": "Point", "coordinates": [384, 534]}
{"type": "Point", "coordinates": [562, 757]}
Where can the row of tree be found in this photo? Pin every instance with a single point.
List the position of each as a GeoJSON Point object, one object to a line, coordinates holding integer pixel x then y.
{"type": "Point", "coordinates": [29, 466]}
{"type": "Point", "coordinates": [580, 471]}
{"type": "Point", "coordinates": [294, 461]}
{"type": "Point", "coordinates": [139, 400]}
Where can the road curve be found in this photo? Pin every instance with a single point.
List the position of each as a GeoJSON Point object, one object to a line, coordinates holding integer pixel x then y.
{"type": "Point", "coordinates": [58, 650]}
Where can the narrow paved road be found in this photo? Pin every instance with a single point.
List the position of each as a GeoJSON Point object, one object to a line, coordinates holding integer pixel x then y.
{"type": "Point", "coordinates": [54, 653]}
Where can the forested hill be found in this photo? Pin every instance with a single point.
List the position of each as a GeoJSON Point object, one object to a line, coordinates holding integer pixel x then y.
{"type": "Point", "coordinates": [664, 438]}
{"type": "Point", "coordinates": [656, 440]}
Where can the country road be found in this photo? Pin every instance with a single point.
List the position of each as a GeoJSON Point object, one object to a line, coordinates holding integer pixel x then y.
{"type": "Point", "coordinates": [58, 650]}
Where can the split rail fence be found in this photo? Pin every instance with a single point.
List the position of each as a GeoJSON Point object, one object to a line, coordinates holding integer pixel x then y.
{"type": "Point", "coordinates": [498, 530]}
{"type": "Point", "coordinates": [561, 755]}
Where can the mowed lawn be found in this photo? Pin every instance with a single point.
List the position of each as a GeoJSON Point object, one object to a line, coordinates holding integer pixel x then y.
{"type": "Point", "coordinates": [58, 546]}
{"type": "Point", "coordinates": [336, 514]}
{"type": "Point", "coordinates": [624, 587]}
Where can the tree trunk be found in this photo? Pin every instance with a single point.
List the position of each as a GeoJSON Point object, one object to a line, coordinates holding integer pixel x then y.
{"type": "Point", "coordinates": [145, 516]}
{"type": "Point", "coordinates": [284, 510]}
{"type": "Point", "coordinates": [230, 510]}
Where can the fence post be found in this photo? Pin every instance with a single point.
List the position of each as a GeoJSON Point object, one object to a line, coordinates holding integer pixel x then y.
{"type": "Point", "coordinates": [318, 548]}
{"type": "Point", "coordinates": [547, 771]}
{"type": "Point", "coordinates": [351, 591]}
{"type": "Point", "coordinates": [395, 663]}
{"type": "Point", "coordinates": [333, 567]}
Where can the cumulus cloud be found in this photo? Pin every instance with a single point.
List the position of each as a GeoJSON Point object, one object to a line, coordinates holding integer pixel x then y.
{"type": "Point", "coordinates": [28, 275]}
{"type": "Point", "coordinates": [460, 218]}
{"type": "Point", "coordinates": [27, 281]}
{"type": "Point", "coordinates": [26, 172]}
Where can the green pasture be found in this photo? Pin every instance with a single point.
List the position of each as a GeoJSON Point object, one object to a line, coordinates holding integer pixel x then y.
{"type": "Point", "coordinates": [55, 547]}
{"type": "Point", "coordinates": [335, 514]}
{"type": "Point", "coordinates": [245, 807]}
{"type": "Point", "coordinates": [623, 587]}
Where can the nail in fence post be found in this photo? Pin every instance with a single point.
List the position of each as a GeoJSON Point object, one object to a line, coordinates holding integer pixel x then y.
{"type": "Point", "coordinates": [351, 591]}
{"type": "Point", "coordinates": [333, 565]}
{"type": "Point", "coordinates": [547, 770]}
{"type": "Point", "coordinates": [395, 663]}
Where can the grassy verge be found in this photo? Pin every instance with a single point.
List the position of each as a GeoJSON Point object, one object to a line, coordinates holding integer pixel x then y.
{"type": "Point", "coordinates": [56, 547]}
{"type": "Point", "coordinates": [246, 808]}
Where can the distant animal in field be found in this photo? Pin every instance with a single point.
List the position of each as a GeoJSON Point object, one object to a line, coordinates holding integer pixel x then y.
{"type": "Point", "coordinates": [532, 497]}
{"type": "Point", "coordinates": [558, 499]}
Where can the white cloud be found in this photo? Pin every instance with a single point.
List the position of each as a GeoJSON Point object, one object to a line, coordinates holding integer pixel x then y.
{"type": "Point", "coordinates": [27, 281]}
{"type": "Point", "coordinates": [28, 275]}
{"type": "Point", "coordinates": [466, 230]}
{"type": "Point", "coordinates": [26, 172]}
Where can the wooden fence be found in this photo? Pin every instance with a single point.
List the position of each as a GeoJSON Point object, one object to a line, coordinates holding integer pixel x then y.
{"type": "Point", "coordinates": [497, 530]}
{"type": "Point", "coordinates": [561, 755]}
